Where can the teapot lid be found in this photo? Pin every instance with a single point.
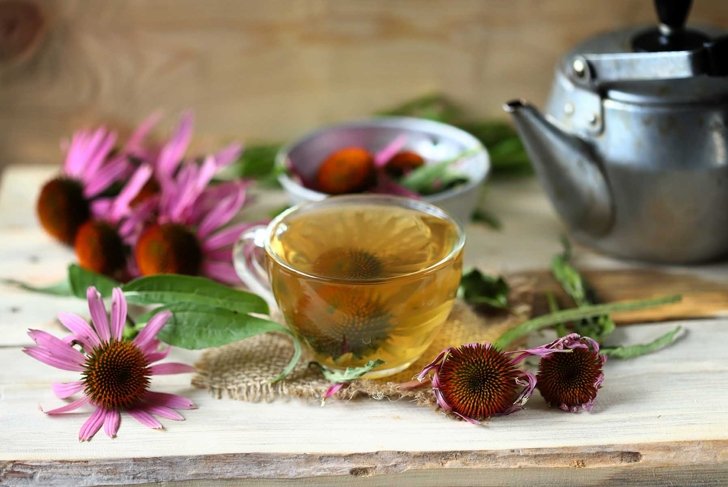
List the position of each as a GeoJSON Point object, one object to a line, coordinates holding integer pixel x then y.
{"type": "Point", "coordinates": [665, 64]}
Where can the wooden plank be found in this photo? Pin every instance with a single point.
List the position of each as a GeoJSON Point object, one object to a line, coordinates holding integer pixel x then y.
{"type": "Point", "coordinates": [677, 395]}
{"type": "Point", "coordinates": [702, 298]}
{"type": "Point", "coordinates": [273, 70]}
{"type": "Point", "coordinates": [651, 464]}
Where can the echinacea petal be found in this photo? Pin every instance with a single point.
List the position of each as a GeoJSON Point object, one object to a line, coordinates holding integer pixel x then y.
{"type": "Point", "coordinates": [169, 400]}
{"type": "Point", "coordinates": [228, 155]}
{"type": "Point", "coordinates": [150, 331]}
{"type": "Point", "coordinates": [118, 313]}
{"type": "Point", "coordinates": [165, 412]}
{"type": "Point", "coordinates": [112, 421]}
{"type": "Point", "coordinates": [99, 145]}
{"type": "Point", "coordinates": [105, 177]}
{"type": "Point", "coordinates": [81, 329]}
{"type": "Point", "coordinates": [135, 143]}
{"type": "Point", "coordinates": [226, 237]}
{"type": "Point", "coordinates": [149, 347]}
{"type": "Point", "coordinates": [205, 173]}
{"type": "Point", "coordinates": [75, 154]}
{"type": "Point", "coordinates": [528, 385]}
{"type": "Point", "coordinates": [48, 358]}
{"type": "Point", "coordinates": [98, 313]}
{"type": "Point", "coordinates": [92, 425]}
{"type": "Point", "coordinates": [221, 271]}
{"type": "Point", "coordinates": [434, 364]}
{"type": "Point", "coordinates": [383, 156]}
{"type": "Point", "coordinates": [71, 406]}
{"type": "Point", "coordinates": [57, 347]}
{"type": "Point", "coordinates": [63, 390]}
{"type": "Point", "coordinates": [122, 202]}
{"type": "Point", "coordinates": [221, 214]}
{"type": "Point", "coordinates": [156, 355]}
{"type": "Point", "coordinates": [145, 418]}
{"type": "Point", "coordinates": [170, 368]}
{"type": "Point", "coordinates": [173, 151]}
{"type": "Point", "coordinates": [101, 208]}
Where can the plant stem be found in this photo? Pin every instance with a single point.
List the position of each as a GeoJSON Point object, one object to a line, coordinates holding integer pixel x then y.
{"type": "Point", "coordinates": [576, 314]}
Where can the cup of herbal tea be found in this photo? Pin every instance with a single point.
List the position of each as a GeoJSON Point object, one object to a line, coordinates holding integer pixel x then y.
{"type": "Point", "coordinates": [358, 277]}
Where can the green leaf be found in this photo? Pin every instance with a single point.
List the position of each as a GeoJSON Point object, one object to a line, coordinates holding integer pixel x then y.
{"type": "Point", "coordinates": [486, 218]}
{"type": "Point", "coordinates": [432, 107]}
{"type": "Point", "coordinates": [80, 279]}
{"type": "Point", "coordinates": [551, 319]}
{"type": "Point", "coordinates": [436, 177]}
{"type": "Point", "coordinates": [350, 374]}
{"type": "Point", "coordinates": [196, 327]}
{"type": "Point", "coordinates": [632, 351]}
{"type": "Point", "coordinates": [175, 288]}
{"type": "Point", "coordinates": [575, 286]}
{"type": "Point", "coordinates": [507, 154]}
{"type": "Point", "coordinates": [62, 288]}
{"type": "Point", "coordinates": [477, 288]}
{"type": "Point", "coordinates": [258, 161]}
{"type": "Point", "coordinates": [277, 211]}
{"type": "Point", "coordinates": [560, 328]}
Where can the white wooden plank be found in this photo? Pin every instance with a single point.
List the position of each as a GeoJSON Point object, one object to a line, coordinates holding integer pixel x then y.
{"type": "Point", "coordinates": [676, 395]}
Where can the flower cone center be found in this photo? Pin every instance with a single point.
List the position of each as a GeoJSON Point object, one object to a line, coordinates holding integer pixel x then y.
{"type": "Point", "coordinates": [99, 248]}
{"type": "Point", "coordinates": [168, 249]}
{"type": "Point", "coordinates": [116, 375]}
{"type": "Point", "coordinates": [347, 170]}
{"type": "Point", "coordinates": [347, 263]}
{"type": "Point", "coordinates": [478, 382]}
{"type": "Point", "coordinates": [404, 162]}
{"type": "Point", "coordinates": [62, 208]}
{"type": "Point", "coordinates": [569, 378]}
{"type": "Point", "coordinates": [337, 322]}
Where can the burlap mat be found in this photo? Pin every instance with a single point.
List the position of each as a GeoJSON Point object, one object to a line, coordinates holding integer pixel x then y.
{"type": "Point", "coordinates": [243, 370]}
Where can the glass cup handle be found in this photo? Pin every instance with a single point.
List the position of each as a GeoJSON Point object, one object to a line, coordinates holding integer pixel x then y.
{"type": "Point", "coordinates": [249, 261]}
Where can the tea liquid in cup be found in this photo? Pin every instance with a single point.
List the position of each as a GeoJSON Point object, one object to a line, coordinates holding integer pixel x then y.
{"type": "Point", "coordinates": [365, 277]}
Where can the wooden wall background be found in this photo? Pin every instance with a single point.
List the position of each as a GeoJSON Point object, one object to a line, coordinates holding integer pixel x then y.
{"type": "Point", "coordinates": [272, 69]}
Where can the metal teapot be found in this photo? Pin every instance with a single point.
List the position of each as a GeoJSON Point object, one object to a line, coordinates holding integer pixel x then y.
{"type": "Point", "coordinates": [633, 148]}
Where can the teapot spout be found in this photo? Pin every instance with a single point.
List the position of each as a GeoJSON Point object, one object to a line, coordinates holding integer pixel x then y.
{"type": "Point", "coordinates": [568, 168]}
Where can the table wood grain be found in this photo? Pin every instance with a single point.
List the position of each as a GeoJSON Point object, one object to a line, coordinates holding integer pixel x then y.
{"type": "Point", "coordinates": [661, 418]}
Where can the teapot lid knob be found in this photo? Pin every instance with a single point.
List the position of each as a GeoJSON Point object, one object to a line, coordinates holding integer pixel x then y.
{"type": "Point", "coordinates": [671, 35]}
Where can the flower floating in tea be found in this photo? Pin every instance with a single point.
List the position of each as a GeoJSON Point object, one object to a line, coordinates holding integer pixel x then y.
{"type": "Point", "coordinates": [477, 381]}
{"type": "Point", "coordinates": [344, 263]}
{"type": "Point", "coordinates": [115, 374]}
{"type": "Point", "coordinates": [337, 322]}
{"type": "Point", "coordinates": [570, 380]}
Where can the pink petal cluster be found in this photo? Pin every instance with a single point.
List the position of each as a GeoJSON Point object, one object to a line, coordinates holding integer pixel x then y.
{"type": "Point", "coordinates": [103, 331]}
{"type": "Point", "coordinates": [90, 161]}
{"type": "Point", "coordinates": [184, 191]}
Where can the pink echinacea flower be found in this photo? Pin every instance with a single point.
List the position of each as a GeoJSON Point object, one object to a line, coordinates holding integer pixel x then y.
{"type": "Point", "coordinates": [115, 374]}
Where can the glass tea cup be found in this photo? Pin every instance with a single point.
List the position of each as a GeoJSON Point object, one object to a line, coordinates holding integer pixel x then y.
{"type": "Point", "coordinates": [357, 277]}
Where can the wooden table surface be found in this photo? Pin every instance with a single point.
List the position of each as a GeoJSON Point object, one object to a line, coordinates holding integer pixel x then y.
{"type": "Point", "coordinates": [659, 419]}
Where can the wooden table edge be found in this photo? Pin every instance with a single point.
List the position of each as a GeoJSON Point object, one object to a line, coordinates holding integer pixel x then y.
{"type": "Point", "coordinates": [686, 456]}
